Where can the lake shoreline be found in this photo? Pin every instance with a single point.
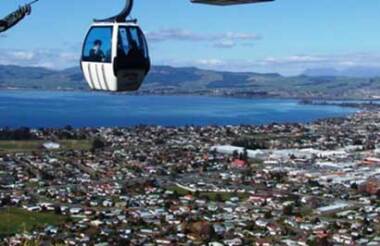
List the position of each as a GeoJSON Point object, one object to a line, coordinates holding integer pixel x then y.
{"type": "Point", "coordinates": [144, 93]}
{"type": "Point", "coordinates": [362, 104]}
{"type": "Point", "coordinates": [37, 109]}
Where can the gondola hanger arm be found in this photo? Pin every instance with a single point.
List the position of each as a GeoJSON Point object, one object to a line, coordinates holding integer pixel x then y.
{"type": "Point", "coordinates": [122, 16]}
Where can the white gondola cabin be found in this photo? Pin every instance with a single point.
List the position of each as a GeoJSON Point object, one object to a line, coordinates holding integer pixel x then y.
{"type": "Point", "coordinates": [115, 56]}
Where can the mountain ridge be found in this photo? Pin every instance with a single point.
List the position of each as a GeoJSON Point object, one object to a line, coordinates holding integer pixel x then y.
{"type": "Point", "coordinates": [192, 80]}
{"type": "Point", "coordinates": [353, 72]}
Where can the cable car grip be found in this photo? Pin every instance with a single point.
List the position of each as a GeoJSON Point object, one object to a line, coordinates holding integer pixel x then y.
{"type": "Point", "coordinates": [122, 16]}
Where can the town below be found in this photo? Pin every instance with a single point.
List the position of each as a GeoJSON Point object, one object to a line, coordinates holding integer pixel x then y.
{"type": "Point", "coordinates": [290, 183]}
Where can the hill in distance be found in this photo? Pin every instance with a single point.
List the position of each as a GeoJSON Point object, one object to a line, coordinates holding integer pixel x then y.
{"type": "Point", "coordinates": [190, 80]}
{"type": "Point", "coordinates": [353, 72]}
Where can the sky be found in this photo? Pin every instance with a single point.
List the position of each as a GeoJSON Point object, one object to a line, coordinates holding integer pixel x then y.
{"type": "Point", "coordinates": [285, 36]}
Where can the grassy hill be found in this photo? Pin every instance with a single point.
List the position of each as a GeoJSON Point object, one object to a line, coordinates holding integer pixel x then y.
{"type": "Point", "coordinates": [170, 80]}
{"type": "Point", "coordinates": [14, 220]}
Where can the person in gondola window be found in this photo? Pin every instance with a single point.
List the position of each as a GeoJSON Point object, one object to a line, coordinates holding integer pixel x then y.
{"type": "Point", "coordinates": [135, 54]}
{"type": "Point", "coordinates": [96, 53]}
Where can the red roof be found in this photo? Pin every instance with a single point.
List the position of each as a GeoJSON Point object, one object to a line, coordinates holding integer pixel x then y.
{"type": "Point", "coordinates": [238, 163]}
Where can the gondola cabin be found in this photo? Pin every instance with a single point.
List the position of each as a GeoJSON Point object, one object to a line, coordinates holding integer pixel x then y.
{"type": "Point", "coordinates": [115, 56]}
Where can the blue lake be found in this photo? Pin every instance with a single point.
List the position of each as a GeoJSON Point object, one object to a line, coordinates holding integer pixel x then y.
{"type": "Point", "coordinates": [92, 109]}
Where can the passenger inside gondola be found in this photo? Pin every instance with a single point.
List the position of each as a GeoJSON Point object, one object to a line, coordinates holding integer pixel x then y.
{"type": "Point", "coordinates": [98, 45]}
{"type": "Point", "coordinates": [130, 50]}
{"type": "Point", "coordinates": [96, 53]}
{"type": "Point", "coordinates": [135, 55]}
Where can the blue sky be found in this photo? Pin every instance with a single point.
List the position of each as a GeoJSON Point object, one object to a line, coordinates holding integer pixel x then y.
{"type": "Point", "coordinates": [285, 36]}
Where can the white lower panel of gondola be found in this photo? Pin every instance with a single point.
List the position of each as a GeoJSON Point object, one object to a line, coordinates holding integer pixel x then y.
{"type": "Point", "coordinates": [100, 76]}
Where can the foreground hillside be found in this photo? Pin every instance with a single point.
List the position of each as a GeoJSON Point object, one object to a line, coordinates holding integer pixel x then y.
{"type": "Point", "coordinates": [170, 80]}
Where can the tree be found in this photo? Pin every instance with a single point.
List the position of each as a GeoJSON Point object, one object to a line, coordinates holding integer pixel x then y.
{"type": "Point", "coordinates": [97, 144]}
{"type": "Point", "coordinates": [245, 155]}
{"type": "Point", "coordinates": [235, 154]}
{"type": "Point", "coordinates": [6, 201]}
{"type": "Point", "coordinates": [57, 210]}
{"type": "Point", "coordinates": [288, 210]}
{"type": "Point", "coordinates": [197, 194]}
{"type": "Point", "coordinates": [22, 133]}
{"type": "Point", "coordinates": [175, 194]}
{"type": "Point", "coordinates": [218, 197]}
{"type": "Point", "coordinates": [268, 215]}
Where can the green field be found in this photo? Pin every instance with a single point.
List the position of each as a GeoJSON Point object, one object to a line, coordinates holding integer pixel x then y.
{"type": "Point", "coordinates": [15, 220]}
{"type": "Point", "coordinates": [35, 145]}
{"type": "Point", "coordinates": [212, 196]}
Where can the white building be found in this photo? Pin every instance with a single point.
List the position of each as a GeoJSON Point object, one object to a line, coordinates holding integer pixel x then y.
{"type": "Point", "coordinates": [51, 146]}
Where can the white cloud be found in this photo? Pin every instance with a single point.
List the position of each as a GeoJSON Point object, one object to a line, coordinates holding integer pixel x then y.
{"type": "Point", "coordinates": [241, 36]}
{"type": "Point", "coordinates": [173, 34]}
{"type": "Point", "coordinates": [22, 55]}
{"type": "Point", "coordinates": [296, 59]}
{"type": "Point", "coordinates": [210, 62]}
{"type": "Point", "coordinates": [56, 59]}
{"type": "Point", "coordinates": [220, 40]}
{"type": "Point", "coordinates": [226, 44]}
{"type": "Point", "coordinates": [288, 65]}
